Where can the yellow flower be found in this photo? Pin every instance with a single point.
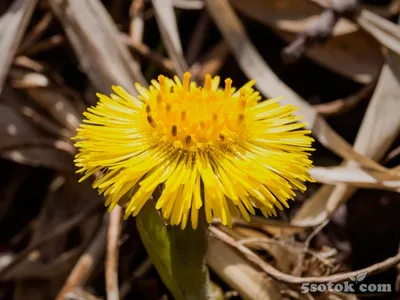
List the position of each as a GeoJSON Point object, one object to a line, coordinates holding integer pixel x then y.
{"type": "Point", "coordinates": [206, 147]}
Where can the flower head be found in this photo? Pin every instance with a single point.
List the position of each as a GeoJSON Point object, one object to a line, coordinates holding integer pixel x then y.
{"type": "Point", "coordinates": [220, 149]}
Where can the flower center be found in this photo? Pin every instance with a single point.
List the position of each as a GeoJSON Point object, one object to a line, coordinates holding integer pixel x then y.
{"type": "Point", "coordinates": [194, 117]}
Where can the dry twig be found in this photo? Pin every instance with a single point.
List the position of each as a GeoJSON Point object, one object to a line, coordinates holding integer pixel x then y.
{"type": "Point", "coordinates": [37, 31]}
{"type": "Point", "coordinates": [185, 4]}
{"type": "Point", "coordinates": [164, 63]}
{"type": "Point", "coordinates": [59, 230]}
{"type": "Point", "coordinates": [87, 262]}
{"type": "Point", "coordinates": [212, 63]}
{"type": "Point", "coordinates": [136, 27]}
{"type": "Point", "coordinates": [112, 254]}
{"type": "Point", "coordinates": [270, 270]}
{"type": "Point", "coordinates": [198, 37]}
{"type": "Point", "coordinates": [341, 106]}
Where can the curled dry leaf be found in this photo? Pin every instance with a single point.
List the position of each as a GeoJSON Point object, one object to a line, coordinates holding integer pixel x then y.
{"type": "Point", "coordinates": [290, 16]}
{"type": "Point", "coordinates": [344, 53]}
{"type": "Point", "coordinates": [382, 30]}
{"type": "Point", "coordinates": [346, 56]}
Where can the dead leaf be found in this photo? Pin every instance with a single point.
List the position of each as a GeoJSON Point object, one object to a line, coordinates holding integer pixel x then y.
{"type": "Point", "coordinates": [343, 53]}
{"type": "Point", "coordinates": [12, 27]}
{"type": "Point", "coordinates": [346, 56]}
{"type": "Point", "coordinates": [356, 177]}
{"type": "Point", "coordinates": [169, 32]}
{"type": "Point", "coordinates": [95, 39]}
{"type": "Point", "coordinates": [289, 16]}
{"type": "Point", "coordinates": [21, 142]}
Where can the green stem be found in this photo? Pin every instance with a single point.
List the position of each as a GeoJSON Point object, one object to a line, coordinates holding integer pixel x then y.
{"type": "Point", "coordinates": [178, 255]}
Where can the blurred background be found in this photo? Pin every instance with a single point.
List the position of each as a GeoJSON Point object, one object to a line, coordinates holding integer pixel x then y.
{"type": "Point", "coordinates": [338, 60]}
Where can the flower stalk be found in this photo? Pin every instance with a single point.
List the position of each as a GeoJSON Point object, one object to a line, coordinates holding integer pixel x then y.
{"type": "Point", "coordinates": [178, 255]}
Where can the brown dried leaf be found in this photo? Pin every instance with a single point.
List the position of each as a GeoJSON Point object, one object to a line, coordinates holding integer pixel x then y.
{"type": "Point", "coordinates": [382, 30]}
{"type": "Point", "coordinates": [356, 177]}
{"type": "Point", "coordinates": [23, 143]}
{"type": "Point", "coordinates": [290, 16]}
{"type": "Point", "coordinates": [48, 96]}
{"type": "Point", "coordinates": [12, 27]}
{"type": "Point", "coordinates": [95, 38]}
{"type": "Point", "coordinates": [169, 32]}
{"type": "Point", "coordinates": [344, 53]}
{"type": "Point", "coordinates": [346, 56]}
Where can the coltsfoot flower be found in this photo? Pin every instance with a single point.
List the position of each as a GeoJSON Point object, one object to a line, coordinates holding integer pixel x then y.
{"type": "Point", "coordinates": [220, 149]}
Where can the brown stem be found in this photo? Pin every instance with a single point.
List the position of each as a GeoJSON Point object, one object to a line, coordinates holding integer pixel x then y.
{"type": "Point", "coordinates": [270, 270]}
{"type": "Point", "coordinates": [112, 254]}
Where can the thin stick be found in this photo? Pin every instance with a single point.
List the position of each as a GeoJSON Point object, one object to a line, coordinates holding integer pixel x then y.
{"type": "Point", "coordinates": [36, 33]}
{"type": "Point", "coordinates": [112, 254]}
{"type": "Point", "coordinates": [138, 273]}
{"type": "Point", "coordinates": [198, 37]}
{"type": "Point", "coordinates": [343, 105]}
{"type": "Point", "coordinates": [212, 62]}
{"type": "Point", "coordinates": [185, 4]}
{"type": "Point", "coordinates": [46, 45]}
{"type": "Point", "coordinates": [86, 263]}
{"type": "Point", "coordinates": [270, 270]}
{"type": "Point", "coordinates": [136, 27]}
{"type": "Point", "coordinates": [44, 142]}
{"type": "Point", "coordinates": [165, 63]}
{"type": "Point", "coordinates": [298, 269]}
{"type": "Point", "coordinates": [59, 230]}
